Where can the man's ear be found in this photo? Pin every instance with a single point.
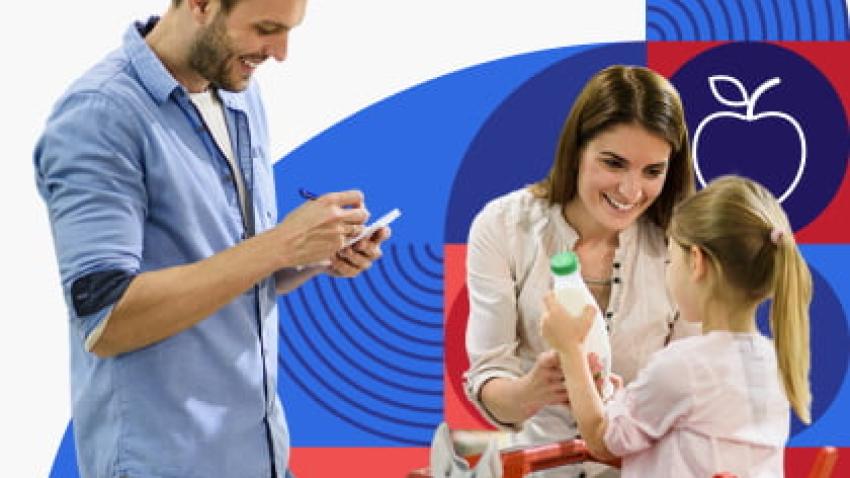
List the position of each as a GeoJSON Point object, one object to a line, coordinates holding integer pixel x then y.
{"type": "Point", "coordinates": [201, 10]}
{"type": "Point", "coordinates": [698, 262]}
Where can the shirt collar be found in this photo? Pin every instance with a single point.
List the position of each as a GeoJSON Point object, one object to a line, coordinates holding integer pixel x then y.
{"type": "Point", "coordinates": [625, 238]}
{"type": "Point", "coordinates": [153, 75]}
{"type": "Point", "coordinates": [233, 100]}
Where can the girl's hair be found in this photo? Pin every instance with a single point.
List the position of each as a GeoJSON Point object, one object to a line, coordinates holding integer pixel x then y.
{"type": "Point", "coordinates": [747, 237]}
{"type": "Point", "coordinates": [623, 95]}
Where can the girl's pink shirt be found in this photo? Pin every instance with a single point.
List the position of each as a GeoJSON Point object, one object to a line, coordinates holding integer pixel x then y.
{"type": "Point", "coordinates": [703, 405]}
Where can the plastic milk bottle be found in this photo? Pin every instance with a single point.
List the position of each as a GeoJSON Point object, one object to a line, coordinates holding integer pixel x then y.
{"type": "Point", "coordinates": [573, 294]}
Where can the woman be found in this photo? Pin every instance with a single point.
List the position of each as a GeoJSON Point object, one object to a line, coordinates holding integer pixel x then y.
{"type": "Point", "coordinates": [621, 164]}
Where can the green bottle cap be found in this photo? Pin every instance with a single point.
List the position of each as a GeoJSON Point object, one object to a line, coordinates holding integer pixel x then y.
{"type": "Point", "coordinates": [564, 263]}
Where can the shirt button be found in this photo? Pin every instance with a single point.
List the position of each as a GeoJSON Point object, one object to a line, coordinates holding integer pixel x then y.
{"type": "Point", "coordinates": [616, 265]}
{"type": "Point", "coordinates": [609, 314]}
{"type": "Point", "coordinates": [616, 280]}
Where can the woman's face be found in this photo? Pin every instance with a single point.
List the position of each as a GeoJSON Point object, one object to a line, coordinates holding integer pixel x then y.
{"type": "Point", "coordinates": [621, 172]}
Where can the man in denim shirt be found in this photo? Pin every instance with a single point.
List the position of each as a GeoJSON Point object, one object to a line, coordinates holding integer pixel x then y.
{"type": "Point", "coordinates": [156, 173]}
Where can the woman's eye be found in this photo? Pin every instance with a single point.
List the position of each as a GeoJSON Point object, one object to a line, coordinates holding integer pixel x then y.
{"type": "Point", "coordinates": [655, 171]}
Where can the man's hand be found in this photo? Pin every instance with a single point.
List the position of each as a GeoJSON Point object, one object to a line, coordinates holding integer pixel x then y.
{"type": "Point", "coordinates": [317, 230]}
{"type": "Point", "coordinates": [359, 256]}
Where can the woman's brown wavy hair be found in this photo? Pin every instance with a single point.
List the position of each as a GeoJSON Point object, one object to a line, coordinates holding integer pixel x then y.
{"type": "Point", "coordinates": [623, 95]}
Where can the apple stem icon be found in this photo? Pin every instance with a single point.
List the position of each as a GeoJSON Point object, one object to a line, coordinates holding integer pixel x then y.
{"type": "Point", "coordinates": [750, 103]}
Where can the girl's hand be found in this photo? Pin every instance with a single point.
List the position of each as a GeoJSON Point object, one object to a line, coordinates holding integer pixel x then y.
{"type": "Point", "coordinates": [616, 380]}
{"type": "Point", "coordinates": [559, 328]}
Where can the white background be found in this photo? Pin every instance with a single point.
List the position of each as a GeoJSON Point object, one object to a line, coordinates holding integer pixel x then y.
{"type": "Point", "coordinates": [347, 55]}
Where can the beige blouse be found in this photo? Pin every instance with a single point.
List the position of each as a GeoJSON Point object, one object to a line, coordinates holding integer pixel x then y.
{"type": "Point", "coordinates": [510, 243]}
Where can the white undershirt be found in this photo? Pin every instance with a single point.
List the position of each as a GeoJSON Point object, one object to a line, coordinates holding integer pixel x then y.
{"type": "Point", "coordinates": [212, 112]}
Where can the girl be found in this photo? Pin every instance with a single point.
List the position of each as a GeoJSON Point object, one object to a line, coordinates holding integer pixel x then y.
{"type": "Point", "coordinates": [714, 402]}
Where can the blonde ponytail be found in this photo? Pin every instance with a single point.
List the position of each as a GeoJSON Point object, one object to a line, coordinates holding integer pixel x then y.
{"type": "Point", "coordinates": [745, 232]}
{"type": "Point", "coordinates": [789, 323]}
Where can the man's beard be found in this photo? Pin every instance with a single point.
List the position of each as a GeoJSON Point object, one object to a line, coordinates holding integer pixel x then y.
{"type": "Point", "coordinates": [210, 55]}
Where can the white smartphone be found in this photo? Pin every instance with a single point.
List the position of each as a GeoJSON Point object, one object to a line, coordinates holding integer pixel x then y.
{"type": "Point", "coordinates": [384, 220]}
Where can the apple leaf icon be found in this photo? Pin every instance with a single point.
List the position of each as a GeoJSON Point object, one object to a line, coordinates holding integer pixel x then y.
{"type": "Point", "coordinates": [714, 83]}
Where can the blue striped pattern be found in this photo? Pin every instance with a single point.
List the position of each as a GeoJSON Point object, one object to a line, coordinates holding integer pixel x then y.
{"type": "Point", "coordinates": [745, 20]}
{"type": "Point", "coordinates": [369, 350]}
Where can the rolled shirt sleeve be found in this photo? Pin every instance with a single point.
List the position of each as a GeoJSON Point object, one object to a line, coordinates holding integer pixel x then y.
{"type": "Point", "coordinates": [89, 172]}
{"type": "Point", "coordinates": [491, 334]}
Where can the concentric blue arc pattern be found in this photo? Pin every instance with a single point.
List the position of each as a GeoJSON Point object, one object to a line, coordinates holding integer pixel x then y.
{"type": "Point", "coordinates": [747, 20]}
{"type": "Point", "coordinates": [368, 350]}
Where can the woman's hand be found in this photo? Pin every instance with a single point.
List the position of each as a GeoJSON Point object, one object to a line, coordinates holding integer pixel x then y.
{"type": "Point", "coordinates": [543, 385]}
{"type": "Point", "coordinates": [562, 330]}
{"type": "Point", "coordinates": [514, 400]}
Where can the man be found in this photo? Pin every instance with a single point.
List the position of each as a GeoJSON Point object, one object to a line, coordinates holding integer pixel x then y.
{"type": "Point", "coordinates": [156, 173]}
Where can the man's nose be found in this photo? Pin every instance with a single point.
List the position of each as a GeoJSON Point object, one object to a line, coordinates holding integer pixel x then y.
{"type": "Point", "coordinates": [277, 47]}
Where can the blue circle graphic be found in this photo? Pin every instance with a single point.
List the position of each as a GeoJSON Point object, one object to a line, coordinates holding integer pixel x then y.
{"type": "Point", "coordinates": [762, 111]}
{"type": "Point", "coordinates": [829, 341]}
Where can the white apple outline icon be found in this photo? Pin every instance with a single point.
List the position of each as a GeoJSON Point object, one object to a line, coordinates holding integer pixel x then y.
{"type": "Point", "coordinates": [750, 103]}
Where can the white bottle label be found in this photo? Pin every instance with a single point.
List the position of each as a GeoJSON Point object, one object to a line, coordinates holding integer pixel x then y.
{"type": "Point", "coordinates": [574, 300]}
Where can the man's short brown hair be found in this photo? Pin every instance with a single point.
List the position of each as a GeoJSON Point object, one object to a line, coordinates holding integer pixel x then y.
{"type": "Point", "coordinates": [226, 5]}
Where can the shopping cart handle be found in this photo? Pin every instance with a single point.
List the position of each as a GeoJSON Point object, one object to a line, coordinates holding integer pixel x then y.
{"type": "Point", "coordinates": [542, 457]}
{"type": "Point", "coordinates": [520, 462]}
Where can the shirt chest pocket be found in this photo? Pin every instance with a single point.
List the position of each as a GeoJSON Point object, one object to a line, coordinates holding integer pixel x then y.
{"type": "Point", "coordinates": [265, 202]}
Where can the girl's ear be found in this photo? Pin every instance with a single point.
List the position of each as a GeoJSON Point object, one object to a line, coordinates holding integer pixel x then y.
{"type": "Point", "coordinates": [698, 262]}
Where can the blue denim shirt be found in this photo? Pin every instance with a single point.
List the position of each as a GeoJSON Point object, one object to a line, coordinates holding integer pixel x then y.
{"type": "Point", "coordinates": [132, 183]}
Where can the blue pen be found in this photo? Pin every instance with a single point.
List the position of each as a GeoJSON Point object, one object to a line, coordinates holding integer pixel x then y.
{"type": "Point", "coordinates": [310, 196]}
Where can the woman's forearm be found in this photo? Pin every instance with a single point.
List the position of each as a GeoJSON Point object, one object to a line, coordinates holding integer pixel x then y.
{"type": "Point", "coordinates": [501, 397]}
